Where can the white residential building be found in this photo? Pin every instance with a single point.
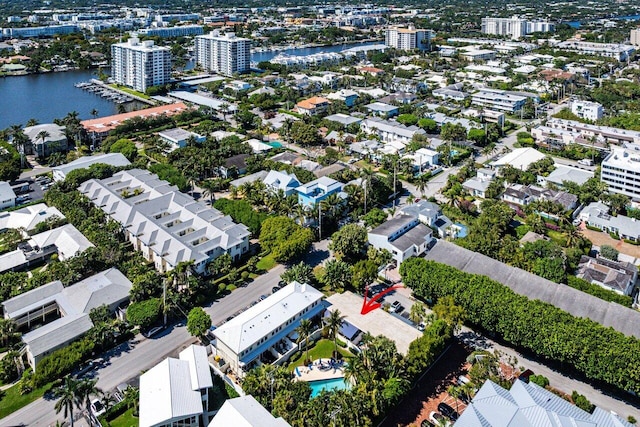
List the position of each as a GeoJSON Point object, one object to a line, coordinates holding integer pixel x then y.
{"type": "Point", "coordinates": [403, 236]}
{"type": "Point", "coordinates": [621, 52]}
{"type": "Point", "coordinates": [245, 411]}
{"type": "Point", "coordinates": [167, 226]}
{"type": "Point", "coordinates": [407, 38]}
{"type": "Point", "coordinates": [178, 138]}
{"type": "Point", "coordinates": [265, 327]}
{"type": "Point", "coordinates": [66, 242]}
{"type": "Point", "coordinates": [634, 37]}
{"type": "Point", "coordinates": [621, 172]}
{"type": "Point", "coordinates": [7, 196]}
{"type": "Point", "coordinates": [224, 54]}
{"type": "Point", "coordinates": [389, 131]}
{"type": "Point", "coordinates": [514, 27]}
{"type": "Point", "coordinates": [281, 181]}
{"type": "Point", "coordinates": [520, 158]}
{"type": "Point", "coordinates": [55, 139]}
{"type": "Point", "coordinates": [176, 392]}
{"type": "Point", "coordinates": [140, 65]}
{"type": "Point", "coordinates": [111, 159]}
{"type": "Point", "coordinates": [603, 134]}
{"type": "Point", "coordinates": [72, 306]}
{"type": "Point", "coordinates": [587, 110]}
{"type": "Point", "coordinates": [499, 100]}
{"type": "Point", "coordinates": [28, 217]}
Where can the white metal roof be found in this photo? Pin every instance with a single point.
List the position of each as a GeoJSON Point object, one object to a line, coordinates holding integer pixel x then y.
{"type": "Point", "coordinates": [113, 159]}
{"type": "Point", "coordinates": [245, 411]}
{"type": "Point", "coordinates": [6, 192]}
{"type": "Point", "coordinates": [199, 368]}
{"type": "Point", "coordinates": [28, 217]}
{"type": "Point", "coordinates": [166, 394]}
{"type": "Point", "coordinates": [247, 328]}
{"type": "Point", "coordinates": [520, 158]}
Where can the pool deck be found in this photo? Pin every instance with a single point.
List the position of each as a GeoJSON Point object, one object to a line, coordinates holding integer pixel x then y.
{"type": "Point", "coordinates": [315, 374]}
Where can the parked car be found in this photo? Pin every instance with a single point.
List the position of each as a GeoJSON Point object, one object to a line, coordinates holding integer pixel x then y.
{"type": "Point", "coordinates": [396, 306]}
{"type": "Point", "coordinates": [426, 423]}
{"type": "Point", "coordinates": [263, 297]}
{"type": "Point", "coordinates": [97, 408]}
{"type": "Point", "coordinates": [421, 326]}
{"type": "Point", "coordinates": [438, 419]}
{"type": "Point", "coordinates": [447, 411]}
{"type": "Point", "coordinates": [153, 331]}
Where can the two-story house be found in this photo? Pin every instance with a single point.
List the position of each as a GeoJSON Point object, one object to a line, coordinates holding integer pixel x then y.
{"type": "Point", "coordinates": [312, 193]}
{"type": "Point", "coordinates": [403, 236]}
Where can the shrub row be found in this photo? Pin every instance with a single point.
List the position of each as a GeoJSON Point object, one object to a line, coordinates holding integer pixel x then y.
{"type": "Point", "coordinates": [599, 353]}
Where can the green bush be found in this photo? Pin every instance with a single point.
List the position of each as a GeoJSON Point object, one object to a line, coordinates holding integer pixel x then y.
{"type": "Point", "coordinates": [242, 211]}
{"type": "Point", "coordinates": [144, 313]}
{"type": "Point", "coordinates": [592, 228]}
{"type": "Point", "coordinates": [171, 174]}
{"type": "Point", "coordinates": [598, 291]}
{"type": "Point", "coordinates": [63, 361]}
{"type": "Point", "coordinates": [531, 324]}
{"type": "Point", "coordinates": [582, 402]}
{"type": "Point", "coordinates": [540, 380]}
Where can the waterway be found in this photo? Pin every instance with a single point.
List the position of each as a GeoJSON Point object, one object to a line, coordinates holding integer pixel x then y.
{"type": "Point", "coordinates": [45, 97]}
{"type": "Point", "coordinates": [578, 24]}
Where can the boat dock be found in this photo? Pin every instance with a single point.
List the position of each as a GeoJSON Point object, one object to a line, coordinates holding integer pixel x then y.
{"type": "Point", "coordinates": [110, 93]}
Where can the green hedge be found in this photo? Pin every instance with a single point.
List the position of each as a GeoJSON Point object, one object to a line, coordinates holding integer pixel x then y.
{"type": "Point", "coordinates": [598, 291]}
{"type": "Point", "coordinates": [597, 352]}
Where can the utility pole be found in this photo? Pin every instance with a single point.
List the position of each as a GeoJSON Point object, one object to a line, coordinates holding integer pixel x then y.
{"type": "Point", "coordinates": [319, 221]}
{"type": "Point", "coordinates": [164, 300]}
{"type": "Point", "coordinates": [395, 171]}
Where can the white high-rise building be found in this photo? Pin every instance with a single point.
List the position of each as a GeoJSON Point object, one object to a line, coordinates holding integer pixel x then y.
{"type": "Point", "coordinates": [619, 172]}
{"type": "Point", "coordinates": [407, 38]}
{"type": "Point", "coordinates": [140, 65]}
{"type": "Point", "coordinates": [514, 26]}
{"type": "Point", "coordinates": [635, 37]}
{"type": "Point", "coordinates": [225, 54]}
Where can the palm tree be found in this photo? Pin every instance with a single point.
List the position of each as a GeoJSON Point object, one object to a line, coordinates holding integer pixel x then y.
{"type": "Point", "coordinates": [42, 136]}
{"type": "Point", "coordinates": [86, 389]}
{"type": "Point", "coordinates": [334, 323]}
{"type": "Point", "coordinates": [67, 395]}
{"type": "Point", "coordinates": [422, 184]}
{"type": "Point", "coordinates": [417, 313]}
{"type": "Point", "coordinates": [304, 330]}
{"type": "Point", "coordinates": [32, 122]}
{"type": "Point", "coordinates": [132, 397]}
{"type": "Point", "coordinates": [94, 113]}
{"type": "Point", "coordinates": [7, 330]}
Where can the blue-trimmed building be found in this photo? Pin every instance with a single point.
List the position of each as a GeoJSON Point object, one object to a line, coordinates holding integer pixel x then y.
{"type": "Point", "coordinates": [265, 333]}
{"type": "Point", "coordinates": [312, 193]}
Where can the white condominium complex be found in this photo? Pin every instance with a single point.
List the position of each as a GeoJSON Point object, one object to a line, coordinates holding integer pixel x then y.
{"type": "Point", "coordinates": [224, 54]}
{"type": "Point", "coordinates": [514, 26]}
{"type": "Point", "coordinates": [167, 226]}
{"type": "Point", "coordinates": [635, 37]}
{"type": "Point", "coordinates": [621, 172]}
{"type": "Point", "coordinates": [140, 65]}
{"type": "Point", "coordinates": [407, 38]}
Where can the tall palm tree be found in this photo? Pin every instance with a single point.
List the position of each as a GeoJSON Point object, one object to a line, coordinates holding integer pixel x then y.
{"type": "Point", "coordinates": [422, 185]}
{"type": "Point", "coordinates": [42, 136]}
{"type": "Point", "coordinates": [132, 397]}
{"type": "Point", "coordinates": [7, 330]}
{"type": "Point", "coordinates": [334, 323]}
{"type": "Point", "coordinates": [304, 330]}
{"type": "Point", "coordinates": [67, 395]}
{"type": "Point", "coordinates": [32, 122]}
{"type": "Point", "coordinates": [86, 389]}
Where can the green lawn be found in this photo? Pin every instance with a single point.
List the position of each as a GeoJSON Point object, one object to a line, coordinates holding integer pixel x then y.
{"type": "Point", "coordinates": [131, 91]}
{"type": "Point", "coordinates": [266, 263]}
{"type": "Point", "coordinates": [322, 350]}
{"type": "Point", "coordinates": [557, 237]}
{"type": "Point", "coordinates": [125, 420]}
{"type": "Point", "coordinates": [13, 400]}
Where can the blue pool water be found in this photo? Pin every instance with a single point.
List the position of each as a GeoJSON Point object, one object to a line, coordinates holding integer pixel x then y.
{"type": "Point", "coordinates": [454, 153]}
{"type": "Point", "coordinates": [331, 384]}
{"type": "Point", "coordinates": [275, 144]}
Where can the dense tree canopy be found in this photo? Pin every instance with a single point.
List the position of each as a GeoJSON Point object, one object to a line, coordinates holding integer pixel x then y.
{"type": "Point", "coordinates": [284, 238]}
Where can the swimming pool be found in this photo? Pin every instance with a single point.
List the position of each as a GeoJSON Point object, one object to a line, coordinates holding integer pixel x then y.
{"type": "Point", "coordinates": [330, 384]}
{"type": "Point", "coordinates": [275, 144]}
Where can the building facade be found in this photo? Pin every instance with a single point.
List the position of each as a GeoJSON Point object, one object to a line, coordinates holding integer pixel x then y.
{"type": "Point", "coordinates": [634, 37]}
{"type": "Point", "coordinates": [621, 172]}
{"type": "Point", "coordinates": [407, 38]}
{"type": "Point", "coordinates": [224, 54]}
{"type": "Point", "coordinates": [514, 27]}
{"type": "Point", "coordinates": [140, 65]}
{"type": "Point", "coordinates": [587, 110]}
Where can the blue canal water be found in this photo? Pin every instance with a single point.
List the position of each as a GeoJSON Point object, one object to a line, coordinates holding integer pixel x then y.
{"type": "Point", "coordinates": [45, 97]}
{"type": "Point", "coordinates": [577, 24]}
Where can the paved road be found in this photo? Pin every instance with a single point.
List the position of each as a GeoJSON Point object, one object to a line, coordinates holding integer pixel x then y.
{"type": "Point", "coordinates": [131, 359]}
{"type": "Point", "coordinates": [556, 379]}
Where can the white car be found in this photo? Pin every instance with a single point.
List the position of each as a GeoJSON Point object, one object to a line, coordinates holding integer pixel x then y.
{"type": "Point", "coordinates": [97, 408]}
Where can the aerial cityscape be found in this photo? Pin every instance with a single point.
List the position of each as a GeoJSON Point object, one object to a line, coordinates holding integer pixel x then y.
{"type": "Point", "coordinates": [301, 214]}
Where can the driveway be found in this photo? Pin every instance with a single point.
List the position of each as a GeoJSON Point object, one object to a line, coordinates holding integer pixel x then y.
{"type": "Point", "coordinates": [598, 238]}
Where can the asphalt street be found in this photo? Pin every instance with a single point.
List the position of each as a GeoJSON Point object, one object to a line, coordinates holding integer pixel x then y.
{"type": "Point", "coordinates": [140, 354]}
